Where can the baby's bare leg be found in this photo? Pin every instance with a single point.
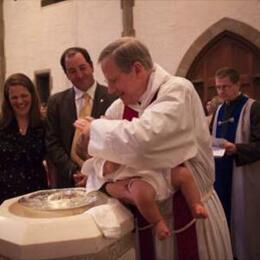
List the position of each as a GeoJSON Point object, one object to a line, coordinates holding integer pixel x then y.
{"type": "Point", "coordinates": [143, 195]}
{"type": "Point", "coordinates": [182, 179]}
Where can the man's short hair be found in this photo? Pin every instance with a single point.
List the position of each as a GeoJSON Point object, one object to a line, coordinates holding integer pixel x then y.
{"type": "Point", "coordinates": [125, 52]}
{"type": "Point", "coordinates": [71, 52]}
{"type": "Point", "coordinates": [228, 72]}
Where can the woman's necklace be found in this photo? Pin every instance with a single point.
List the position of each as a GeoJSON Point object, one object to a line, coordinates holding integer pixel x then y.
{"type": "Point", "coordinates": [22, 131]}
{"type": "Point", "coordinates": [23, 125]}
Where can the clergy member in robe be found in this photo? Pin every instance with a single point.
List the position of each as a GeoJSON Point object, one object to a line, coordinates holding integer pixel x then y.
{"type": "Point", "coordinates": [171, 130]}
{"type": "Point", "coordinates": [237, 122]}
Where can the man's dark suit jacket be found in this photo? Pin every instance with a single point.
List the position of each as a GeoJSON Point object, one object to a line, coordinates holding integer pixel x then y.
{"type": "Point", "coordinates": [61, 115]}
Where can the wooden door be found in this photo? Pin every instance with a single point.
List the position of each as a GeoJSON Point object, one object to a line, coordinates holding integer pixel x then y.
{"type": "Point", "coordinates": [226, 50]}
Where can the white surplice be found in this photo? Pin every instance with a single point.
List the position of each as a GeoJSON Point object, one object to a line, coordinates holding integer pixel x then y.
{"type": "Point", "coordinates": [169, 131]}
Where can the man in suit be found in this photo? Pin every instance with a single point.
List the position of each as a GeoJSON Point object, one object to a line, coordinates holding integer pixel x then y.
{"type": "Point", "coordinates": [64, 108]}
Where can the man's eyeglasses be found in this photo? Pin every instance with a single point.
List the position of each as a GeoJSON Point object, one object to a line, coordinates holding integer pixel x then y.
{"type": "Point", "coordinates": [223, 87]}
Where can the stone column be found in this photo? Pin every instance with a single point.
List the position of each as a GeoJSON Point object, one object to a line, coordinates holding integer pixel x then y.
{"type": "Point", "coordinates": [127, 17]}
{"type": "Point", "coordinates": [2, 53]}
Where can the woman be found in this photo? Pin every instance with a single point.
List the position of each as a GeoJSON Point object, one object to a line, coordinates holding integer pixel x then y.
{"type": "Point", "coordinates": [22, 148]}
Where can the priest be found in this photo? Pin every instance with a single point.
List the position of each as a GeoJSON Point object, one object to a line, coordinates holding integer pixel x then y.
{"type": "Point", "coordinates": [170, 130]}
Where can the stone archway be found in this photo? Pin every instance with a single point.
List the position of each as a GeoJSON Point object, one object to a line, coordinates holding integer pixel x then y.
{"type": "Point", "coordinates": [226, 24]}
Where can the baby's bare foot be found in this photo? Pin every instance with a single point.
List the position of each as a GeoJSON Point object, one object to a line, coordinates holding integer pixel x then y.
{"type": "Point", "coordinates": [161, 230]}
{"type": "Point", "coordinates": [199, 211]}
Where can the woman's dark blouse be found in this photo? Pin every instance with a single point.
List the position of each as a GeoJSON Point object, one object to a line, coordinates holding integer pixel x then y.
{"type": "Point", "coordinates": [21, 161]}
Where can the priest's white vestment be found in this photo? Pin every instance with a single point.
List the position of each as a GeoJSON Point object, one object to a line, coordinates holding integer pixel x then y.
{"type": "Point", "coordinates": [170, 130]}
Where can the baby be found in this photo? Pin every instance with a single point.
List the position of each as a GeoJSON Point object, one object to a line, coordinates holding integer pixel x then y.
{"type": "Point", "coordinates": [144, 188]}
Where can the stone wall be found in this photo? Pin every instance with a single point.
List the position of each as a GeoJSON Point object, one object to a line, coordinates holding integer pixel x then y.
{"type": "Point", "coordinates": [35, 36]}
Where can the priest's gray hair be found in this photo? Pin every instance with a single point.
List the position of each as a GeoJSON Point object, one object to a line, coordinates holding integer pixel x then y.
{"type": "Point", "coordinates": [125, 52]}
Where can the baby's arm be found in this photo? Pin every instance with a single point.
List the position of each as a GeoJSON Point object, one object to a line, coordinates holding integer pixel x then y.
{"type": "Point", "coordinates": [110, 167]}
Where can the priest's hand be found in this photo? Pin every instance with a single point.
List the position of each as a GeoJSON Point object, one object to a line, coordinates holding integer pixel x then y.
{"type": "Point", "coordinates": [80, 179]}
{"type": "Point", "coordinates": [83, 124]}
